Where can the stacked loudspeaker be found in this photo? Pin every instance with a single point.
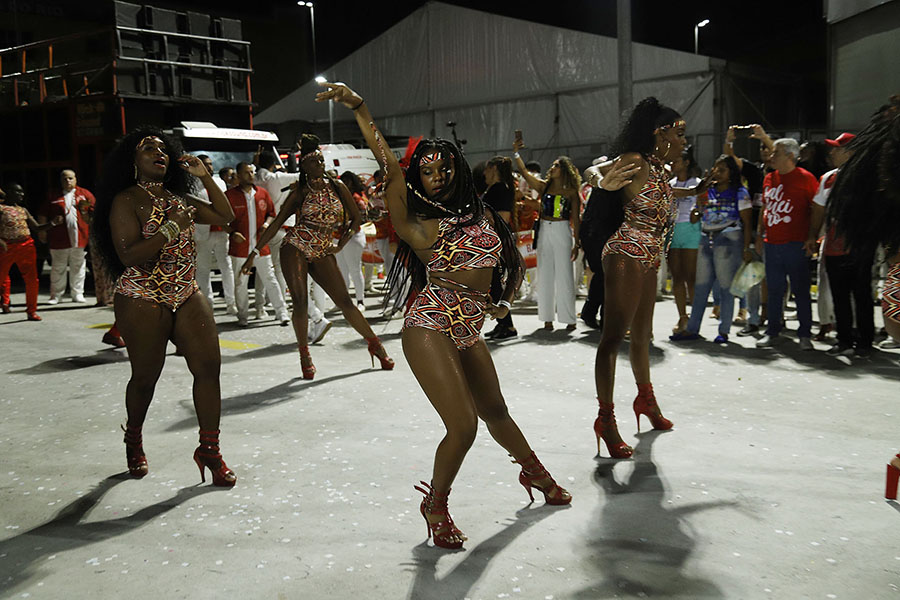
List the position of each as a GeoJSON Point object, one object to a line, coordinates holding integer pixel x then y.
{"type": "Point", "coordinates": [180, 55]}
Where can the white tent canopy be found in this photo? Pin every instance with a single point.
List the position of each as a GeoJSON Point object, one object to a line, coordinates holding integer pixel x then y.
{"type": "Point", "coordinates": [492, 74]}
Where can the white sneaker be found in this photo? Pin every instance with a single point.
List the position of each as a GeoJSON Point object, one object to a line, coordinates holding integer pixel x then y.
{"type": "Point", "coordinates": [230, 309]}
{"type": "Point", "coordinates": [766, 341]}
{"type": "Point", "coordinates": [285, 319]}
{"type": "Point", "coordinates": [53, 300]}
{"type": "Point", "coordinates": [261, 313]}
{"type": "Point", "coordinates": [889, 344]}
{"type": "Point", "coordinates": [806, 344]}
{"type": "Point", "coordinates": [242, 322]}
{"type": "Point", "coordinates": [318, 329]}
{"type": "Point", "coordinates": [79, 299]}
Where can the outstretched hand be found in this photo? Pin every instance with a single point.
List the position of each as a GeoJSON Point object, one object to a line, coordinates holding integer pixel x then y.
{"type": "Point", "coordinates": [340, 93]}
{"type": "Point", "coordinates": [619, 175]}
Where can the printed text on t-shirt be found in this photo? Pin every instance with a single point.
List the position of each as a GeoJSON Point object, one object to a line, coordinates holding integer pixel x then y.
{"type": "Point", "coordinates": [777, 209]}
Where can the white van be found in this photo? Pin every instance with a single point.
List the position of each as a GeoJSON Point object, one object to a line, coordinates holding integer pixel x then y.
{"type": "Point", "coordinates": [226, 146]}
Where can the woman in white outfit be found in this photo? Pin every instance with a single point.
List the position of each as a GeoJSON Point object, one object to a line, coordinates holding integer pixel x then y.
{"type": "Point", "coordinates": [349, 259]}
{"type": "Point", "coordinates": [557, 248]}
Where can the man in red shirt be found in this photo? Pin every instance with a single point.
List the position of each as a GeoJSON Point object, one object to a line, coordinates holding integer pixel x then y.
{"type": "Point", "coordinates": [253, 212]}
{"type": "Point", "coordinates": [68, 240]}
{"type": "Point", "coordinates": [788, 192]}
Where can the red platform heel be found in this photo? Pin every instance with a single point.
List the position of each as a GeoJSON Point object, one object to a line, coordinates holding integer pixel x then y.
{"type": "Point", "coordinates": [376, 350]}
{"type": "Point", "coordinates": [207, 456]}
{"type": "Point", "coordinates": [645, 404]}
{"type": "Point", "coordinates": [134, 452]}
{"type": "Point", "coordinates": [534, 475]}
{"type": "Point", "coordinates": [446, 534]}
{"type": "Point", "coordinates": [893, 478]}
{"type": "Point", "coordinates": [306, 364]}
{"type": "Point", "coordinates": [606, 418]}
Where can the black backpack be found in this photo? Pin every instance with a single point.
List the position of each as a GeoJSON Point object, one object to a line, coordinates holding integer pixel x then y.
{"type": "Point", "coordinates": [602, 217]}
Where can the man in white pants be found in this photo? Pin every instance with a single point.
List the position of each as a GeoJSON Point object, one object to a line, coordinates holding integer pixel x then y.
{"type": "Point", "coordinates": [68, 240]}
{"type": "Point", "coordinates": [253, 212]}
{"type": "Point", "coordinates": [209, 241]}
{"type": "Point", "coordinates": [275, 182]}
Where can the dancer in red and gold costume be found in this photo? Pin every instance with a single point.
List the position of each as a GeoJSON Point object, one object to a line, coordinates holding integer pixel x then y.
{"type": "Point", "coordinates": [144, 221]}
{"type": "Point", "coordinates": [450, 246]}
{"type": "Point", "coordinates": [652, 136]}
{"type": "Point", "coordinates": [322, 205]}
{"type": "Point", "coordinates": [17, 248]}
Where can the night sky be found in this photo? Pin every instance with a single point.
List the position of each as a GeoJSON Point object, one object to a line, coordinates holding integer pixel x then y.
{"type": "Point", "coordinates": [784, 35]}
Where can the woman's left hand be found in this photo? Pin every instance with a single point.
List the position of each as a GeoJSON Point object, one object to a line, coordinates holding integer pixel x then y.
{"type": "Point", "coordinates": [192, 165]}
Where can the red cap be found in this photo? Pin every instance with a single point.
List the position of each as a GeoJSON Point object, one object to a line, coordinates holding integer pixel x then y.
{"type": "Point", "coordinates": [841, 140]}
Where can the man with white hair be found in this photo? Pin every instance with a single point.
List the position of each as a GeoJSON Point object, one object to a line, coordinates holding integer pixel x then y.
{"type": "Point", "coordinates": [788, 193]}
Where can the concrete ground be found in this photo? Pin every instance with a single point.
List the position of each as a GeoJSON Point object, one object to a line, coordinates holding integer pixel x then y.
{"type": "Point", "coordinates": [770, 486]}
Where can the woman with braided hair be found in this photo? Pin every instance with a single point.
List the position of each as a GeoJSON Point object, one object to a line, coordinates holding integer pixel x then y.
{"type": "Point", "coordinates": [321, 204]}
{"type": "Point", "coordinates": [143, 225]}
{"type": "Point", "coordinates": [864, 206]}
{"type": "Point", "coordinates": [450, 246]}
{"type": "Point", "coordinates": [652, 136]}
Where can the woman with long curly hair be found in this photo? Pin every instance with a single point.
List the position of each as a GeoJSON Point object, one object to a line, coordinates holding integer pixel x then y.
{"type": "Point", "coordinates": [864, 206]}
{"type": "Point", "coordinates": [321, 204]}
{"type": "Point", "coordinates": [652, 136]}
{"type": "Point", "coordinates": [557, 244]}
{"type": "Point", "coordinates": [144, 224]}
{"type": "Point", "coordinates": [450, 246]}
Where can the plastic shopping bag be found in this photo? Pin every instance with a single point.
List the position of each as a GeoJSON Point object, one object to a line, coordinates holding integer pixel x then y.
{"type": "Point", "coordinates": [748, 275]}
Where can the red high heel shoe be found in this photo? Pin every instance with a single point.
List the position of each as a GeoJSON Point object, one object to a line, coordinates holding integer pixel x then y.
{"type": "Point", "coordinates": [207, 455]}
{"type": "Point", "coordinates": [606, 417]}
{"type": "Point", "coordinates": [446, 534]}
{"type": "Point", "coordinates": [534, 472]}
{"type": "Point", "coordinates": [306, 364]}
{"type": "Point", "coordinates": [134, 452]}
{"type": "Point", "coordinates": [893, 478]}
{"type": "Point", "coordinates": [645, 404]}
{"type": "Point", "coordinates": [376, 350]}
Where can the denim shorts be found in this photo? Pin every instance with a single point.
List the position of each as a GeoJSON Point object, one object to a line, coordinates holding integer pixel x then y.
{"type": "Point", "coordinates": [686, 235]}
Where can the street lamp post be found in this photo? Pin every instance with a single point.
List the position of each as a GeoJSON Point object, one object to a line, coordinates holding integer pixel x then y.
{"type": "Point", "coordinates": [697, 27]}
{"type": "Point", "coordinates": [312, 28]}
{"type": "Point", "coordinates": [321, 79]}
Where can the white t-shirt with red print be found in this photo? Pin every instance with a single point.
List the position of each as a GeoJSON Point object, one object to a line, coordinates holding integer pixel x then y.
{"type": "Point", "coordinates": [787, 200]}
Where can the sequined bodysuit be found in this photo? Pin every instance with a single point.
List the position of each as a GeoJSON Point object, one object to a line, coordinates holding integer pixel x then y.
{"type": "Point", "coordinates": [320, 215]}
{"type": "Point", "coordinates": [169, 279]}
{"type": "Point", "coordinates": [648, 217]}
{"type": "Point", "coordinates": [457, 313]}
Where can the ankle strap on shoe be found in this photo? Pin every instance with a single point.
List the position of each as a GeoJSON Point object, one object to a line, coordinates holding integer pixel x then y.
{"type": "Point", "coordinates": [209, 439]}
{"type": "Point", "coordinates": [436, 502]}
{"type": "Point", "coordinates": [133, 435]}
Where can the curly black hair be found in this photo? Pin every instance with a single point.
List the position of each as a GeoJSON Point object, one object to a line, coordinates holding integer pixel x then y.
{"type": "Point", "coordinates": [637, 134]}
{"type": "Point", "coordinates": [734, 173]}
{"type": "Point", "coordinates": [864, 203]}
{"type": "Point", "coordinates": [118, 174]}
{"type": "Point", "coordinates": [457, 200]}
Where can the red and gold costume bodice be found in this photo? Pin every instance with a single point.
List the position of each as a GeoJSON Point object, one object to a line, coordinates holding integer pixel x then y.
{"type": "Point", "coordinates": [13, 224]}
{"type": "Point", "coordinates": [168, 279]}
{"type": "Point", "coordinates": [463, 248]}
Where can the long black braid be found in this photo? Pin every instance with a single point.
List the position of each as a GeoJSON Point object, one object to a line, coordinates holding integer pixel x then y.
{"type": "Point", "coordinates": [458, 199]}
{"type": "Point", "coordinates": [864, 203]}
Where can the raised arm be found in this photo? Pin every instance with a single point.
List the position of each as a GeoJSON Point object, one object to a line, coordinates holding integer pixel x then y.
{"type": "Point", "coordinates": [407, 225]}
{"type": "Point", "coordinates": [535, 182]}
{"type": "Point", "coordinates": [219, 211]}
{"type": "Point", "coordinates": [728, 147]}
